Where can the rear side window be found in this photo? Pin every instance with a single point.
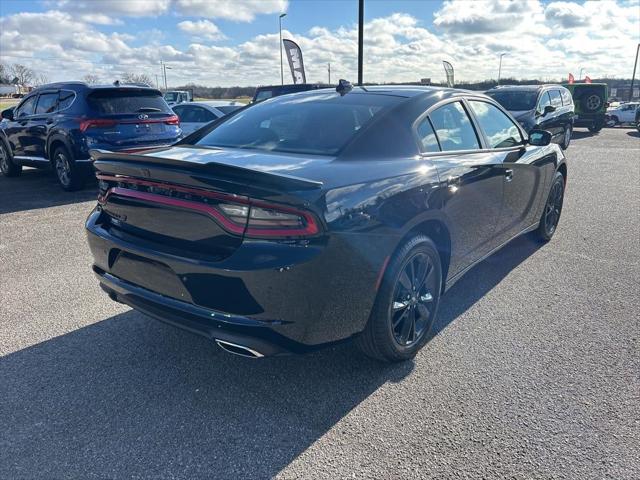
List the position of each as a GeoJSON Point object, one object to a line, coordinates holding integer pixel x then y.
{"type": "Point", "coordinates": [566, 97]}
{"type": "Point", "coordinates": [427, 136]}
{"type": "Point", "coordinates": [27, 107]}
{"type": "Point", "coordinates": [453, 128]}
{"type": "Point", "coordinates": [65, 99]}
{"type": "Point", "coordinates": [556, 100]}
{"type": "Point", "coordinates": [500, 131]}
{"type": "Point", "coordinates": [122, 101]}
{"type": "Point", "coordinates": [228, 108]}
{"type": "Point", "coordinates": [192, 114]}
{"type": "Point", "coordinates": [47, 103]}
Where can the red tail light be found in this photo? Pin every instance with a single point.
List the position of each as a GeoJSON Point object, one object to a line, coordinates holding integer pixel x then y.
{"type": "Point", "coordinates": [96, 122]}
{"type": "Point", "coordinates": [173, 120]}
{"type": "Point", "coordinates": [238, 215]}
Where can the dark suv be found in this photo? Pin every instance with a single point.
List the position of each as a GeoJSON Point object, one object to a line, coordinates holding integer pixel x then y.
{"type": "Point", "coordinates": [540, 107]}
{"type": "Point", "coordinates": [56, 125]}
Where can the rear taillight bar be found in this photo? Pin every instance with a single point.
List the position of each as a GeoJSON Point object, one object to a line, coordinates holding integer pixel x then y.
{"type": "Point", "coordinates": [236, 214]}
{"type": "Point", "coordinates": [86, 123]}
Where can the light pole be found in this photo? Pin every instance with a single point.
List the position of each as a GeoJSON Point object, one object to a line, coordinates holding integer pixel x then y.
{"type": "Point", "coordinates": [360, 38]}
{"type": "Point", "coordinates": [329, 70]}
{"type": "Point", "coordinates": [164, 71]}
{"type": "Point", "coordinates": [282, 15]}
{"type": "Point", "coordinates": [633, 77]}
{"type": "Point", "coordinates": [500, 67]}
{"type": "Point", "coordinates": [580, 74]}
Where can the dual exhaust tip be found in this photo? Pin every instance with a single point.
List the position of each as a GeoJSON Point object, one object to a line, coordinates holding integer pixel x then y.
{"type": "Point", "coordinates": [238, 349]}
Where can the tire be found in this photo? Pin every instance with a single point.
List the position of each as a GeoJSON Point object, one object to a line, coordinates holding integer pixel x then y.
{"type": "Point", "coordinates": [595, 128]}
{"type": "Point", "coordinates": [613, 121]}
{"type": "Point", "coordinates": [566, 137]}
{"type": "Point", "coordinates": [7, 167]}
{"type": "Point", "coordinates": [552, 210]}
{"type": "Point", "coordinates": [71, 176]}
{"type": "Point", "coordinates": [591, 101]}
{"type": "Point", "coordinates": [405, 309]}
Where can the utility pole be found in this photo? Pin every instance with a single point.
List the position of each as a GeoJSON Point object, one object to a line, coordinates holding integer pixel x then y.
{"type": "Point", "coordinates": [633, 77]}
{"type": "Point", "coordinates": [329, 70]}
{"type": "Point", "coordinates": [360, 38]}
{"type": "Point", "coordinates": [157, 82]}
{"type": "Point", "coordinates": [580, 74]}
{"type": "Point", "coordinates": [500, 67]}
{"type": "Point", "coordinates": [281, 64]}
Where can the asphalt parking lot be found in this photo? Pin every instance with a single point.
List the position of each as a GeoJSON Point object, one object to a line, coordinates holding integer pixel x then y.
{"type": "Point", "coordinates": [534, 371]}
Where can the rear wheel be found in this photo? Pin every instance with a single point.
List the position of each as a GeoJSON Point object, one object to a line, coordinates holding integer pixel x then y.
{"type": "Point", "coordinates": [552, 210]}
{"type": "Point", "coordinates": [407, 303]}
{"type": "Point", "coordinates": [566, 138]}
{"type": "Point", "coordinates": [7, 167]}
{"type": "Point", "coordinates": [613, 121]}
{"type": "Point", "coordinates": [70, 175]}
{"type": "Point", "coordinates": [595, 128]}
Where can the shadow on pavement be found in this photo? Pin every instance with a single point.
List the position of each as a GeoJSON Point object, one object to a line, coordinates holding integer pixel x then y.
{"type": "Point", "coordinates": [580, 134]}
{"type": "Point", "coordinates": [36, 188]}
{"type": "Point", "coordinates": [634, 133]}
{"type": "Point", "coordinates": [131, 397]}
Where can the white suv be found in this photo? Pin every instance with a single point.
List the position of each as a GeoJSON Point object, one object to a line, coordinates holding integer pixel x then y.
{"type": "Point", "coordinates": [623, 113]}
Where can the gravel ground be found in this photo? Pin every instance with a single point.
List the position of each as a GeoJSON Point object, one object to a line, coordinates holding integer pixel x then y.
{"type": "Point", "coordinates": [534, 372]}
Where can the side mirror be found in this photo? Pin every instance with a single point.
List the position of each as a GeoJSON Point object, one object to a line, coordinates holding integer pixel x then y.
{"type": "Point", "coordinates": [539, 138]}
{"type": "Point", "coordinates": [548, 109]}
{"type": "Point", "coordinates": [8, 113]}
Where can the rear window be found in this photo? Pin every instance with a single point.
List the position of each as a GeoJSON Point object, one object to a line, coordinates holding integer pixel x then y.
{"type": "Point", "coordinates": [228, 108]}
{"type": "Point", "coordinates": [110, 102]}
{"type": "Point", "coordinates": [310, 124]}
{"type": "Point", "coordinates": [515, 100]}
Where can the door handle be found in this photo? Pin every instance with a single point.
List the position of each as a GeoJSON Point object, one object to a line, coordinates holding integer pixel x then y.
{"type": "Point", "coordinates": [508, 175]}
{"type": "Point", "coordinates": [49, 121]}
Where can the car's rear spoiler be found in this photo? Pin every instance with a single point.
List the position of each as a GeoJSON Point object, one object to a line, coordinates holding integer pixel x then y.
{"type": "Point", "coordinates": [171, 170]}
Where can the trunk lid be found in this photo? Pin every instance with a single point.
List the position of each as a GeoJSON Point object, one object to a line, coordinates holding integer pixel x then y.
{"type": "Point", "coordinates": [190, 203]}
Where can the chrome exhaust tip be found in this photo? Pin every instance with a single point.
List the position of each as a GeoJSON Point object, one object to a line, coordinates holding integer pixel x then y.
{"type": "Point", "coordinates": [238, 349]}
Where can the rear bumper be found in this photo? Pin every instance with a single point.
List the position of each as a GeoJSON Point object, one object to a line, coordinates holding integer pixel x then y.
{"type": "Point", "coordinates": [273, 297]}
{"type": "Point", "coordinates": [593, 120]}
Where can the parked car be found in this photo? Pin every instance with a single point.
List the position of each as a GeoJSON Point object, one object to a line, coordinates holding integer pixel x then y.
{"type": "Point", "coordinates": [623, 113]}
{"type": "Point", "coordinates": [591, 104]}
{"type": "Point", "coordinates": [56, 125]}
{"type": "Point", "coordinates": [194, 115]}
{"type": "Point", "coordinates": [638, 119]}
{"type": "Point", "coordinates": [543, 107]}
{"type": "Point", "coordinates": [322, 216]}
{"type": "Point", "coordinates": [175, 97]}
{"type": "Point", "coordinates": [269, 91]}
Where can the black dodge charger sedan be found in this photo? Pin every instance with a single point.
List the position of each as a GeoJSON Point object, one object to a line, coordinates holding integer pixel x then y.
{"type": "Point", "coordinates": [321, 216]}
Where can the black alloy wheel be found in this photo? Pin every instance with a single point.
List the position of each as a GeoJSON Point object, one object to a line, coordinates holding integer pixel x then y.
{"type": "Point", "coordinates": [552, 209]}
{"type": "Point", "coordinates": [412, 308]}
{"type": "Point", "coordinates": [70, 175]}
{"type": "Point", "coordinates": [406, 305]}
{"type": "Point", "coordinates": [7, 167]}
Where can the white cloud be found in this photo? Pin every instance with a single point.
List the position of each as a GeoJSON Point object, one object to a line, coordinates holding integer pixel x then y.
{"type": "Point", "coordinates": [201, 29]}
{"type": "Point", "coordinates": [114, 8]}
{"type": "Point", "coordinates": [238, 10]}
{"type": "Point", "coordinates": [542, 40]}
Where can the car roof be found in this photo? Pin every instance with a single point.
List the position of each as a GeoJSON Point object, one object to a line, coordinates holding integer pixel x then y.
{"type": "Point", "coordinates": [531, 88]}
{"type": "Point", "coordinates": [406, 91]}
{"type": "Point", "coordinates": [82, 85]}
{"type": "Point", "coordinates": [215, 103]}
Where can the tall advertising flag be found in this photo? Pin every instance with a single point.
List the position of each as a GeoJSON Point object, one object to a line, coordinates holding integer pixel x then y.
{"type": "Point", "coordinates": [571, 79]}
{"type": "Point", "coordinates": [294, 55]}
{"type": "Point", "coordinates": [587, 79]}
{"type": "Point", "coordinates": [448, 68]}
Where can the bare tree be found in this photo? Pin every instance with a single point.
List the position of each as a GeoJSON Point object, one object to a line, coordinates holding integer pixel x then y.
{"type": "Point", "coordinates": [40, 79]}
{"type": "Point", "coordinates": [4, 73]}
{"type": "Point", "coordinates": [136, 78]}
{"type": "Point", "coordinates": [90, 78]}
{"type": "Point", "coordinates": [21, 74]}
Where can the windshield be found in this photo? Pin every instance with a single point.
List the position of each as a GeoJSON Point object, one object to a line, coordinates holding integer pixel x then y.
{"type": "Point", "coordinates": [515, 100]}
{"type": "Point", "coordinates": [313, 124]}
{"type": "Point", "coordinates": [171, 97]}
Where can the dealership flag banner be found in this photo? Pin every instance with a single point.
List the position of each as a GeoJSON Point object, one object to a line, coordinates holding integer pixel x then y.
{"type": "Point", "coordinates": [294, 55]}
{"type": "Point", "coordinates": [448, 68]}
{"type": "Point", "coordinates": [571, 79]}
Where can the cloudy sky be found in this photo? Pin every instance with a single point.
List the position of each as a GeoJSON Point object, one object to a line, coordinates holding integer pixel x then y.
{"type": "Point", "coordinates": [235, 42]}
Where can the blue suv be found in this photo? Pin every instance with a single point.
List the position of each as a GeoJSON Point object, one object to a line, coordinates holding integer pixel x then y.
{"type": "Point", "coordinates": [56, 125]}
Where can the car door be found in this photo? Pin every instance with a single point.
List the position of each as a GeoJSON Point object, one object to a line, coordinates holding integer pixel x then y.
{"type": "Point", "coordinates": [471, 197]}
{"type": "Point", "coordinates": [524, 168]}
{"type": "Point", "coordinates": [40, 123]}
{"type": "Point", "coordinates": [16, 129]}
